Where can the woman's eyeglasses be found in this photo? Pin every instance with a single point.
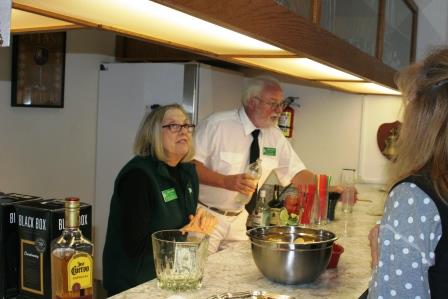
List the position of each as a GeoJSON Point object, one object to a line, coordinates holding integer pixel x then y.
{"type": "Point", "coordinates": [176, 128]}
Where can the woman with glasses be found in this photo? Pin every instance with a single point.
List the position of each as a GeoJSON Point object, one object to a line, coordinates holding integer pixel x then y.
{"type": "Point", "coordinates": [156, 190]}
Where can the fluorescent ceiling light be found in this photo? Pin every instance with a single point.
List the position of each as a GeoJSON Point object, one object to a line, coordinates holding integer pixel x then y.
{"type": "Point", "coordinates": [363, 87]}
{"type": "Point", "coordinates": [149, 20]}
{"type": "Point", "coordinates": [22, 21]}
{"type": "Point", "coordinates": [300, 67]}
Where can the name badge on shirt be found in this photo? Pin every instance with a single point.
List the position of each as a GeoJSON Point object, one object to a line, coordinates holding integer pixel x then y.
{"type": "Point", "coordinates": [269, 151]}
{"type": "Point", "coordinates": [169, 194]}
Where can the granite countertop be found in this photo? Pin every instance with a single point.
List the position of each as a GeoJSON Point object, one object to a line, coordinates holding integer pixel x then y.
{"type": "Point", "coordinates": [233, 269]}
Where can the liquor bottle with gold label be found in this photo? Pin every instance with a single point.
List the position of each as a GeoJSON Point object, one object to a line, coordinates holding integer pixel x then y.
{"type": "Point", "coordinates": [71, 258]}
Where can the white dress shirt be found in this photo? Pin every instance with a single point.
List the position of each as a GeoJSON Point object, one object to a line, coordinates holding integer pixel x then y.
{"type": "Point", "coordinates": [222, 145]}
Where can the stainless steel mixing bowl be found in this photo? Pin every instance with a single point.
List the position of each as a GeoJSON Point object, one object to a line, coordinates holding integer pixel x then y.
{"type": "Point", "coordinates": [281, 260]}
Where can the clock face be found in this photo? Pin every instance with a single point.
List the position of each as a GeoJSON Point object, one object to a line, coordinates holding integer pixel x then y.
{"type": "Point", "coordinates": [39, 69]}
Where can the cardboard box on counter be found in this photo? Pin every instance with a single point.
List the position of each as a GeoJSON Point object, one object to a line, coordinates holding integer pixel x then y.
{"type": "Point", "coordinates": [9, 243]}
{"type": "Point", "coordinates": [39, 223]}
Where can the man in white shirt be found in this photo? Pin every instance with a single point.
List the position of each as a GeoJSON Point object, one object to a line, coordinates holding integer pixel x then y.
{"type": "Point", "coordinates": [222, 154]}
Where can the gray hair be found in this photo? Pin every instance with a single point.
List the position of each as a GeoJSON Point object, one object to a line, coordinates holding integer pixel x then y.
{"type": "Point", "coordinates": [148, 140]}
{"type": "Point", "coordinates": [255, 87]}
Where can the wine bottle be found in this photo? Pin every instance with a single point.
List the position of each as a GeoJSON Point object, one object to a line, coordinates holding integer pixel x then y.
{"type": "Point", "coordinates": [275, 206]}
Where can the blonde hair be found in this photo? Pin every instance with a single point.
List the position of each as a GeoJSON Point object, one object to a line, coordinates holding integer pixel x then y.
{"type": "Point", "coordinates": [423, 142]}
{"type": "Point", "coordinates": [148, 140]}
{"type": "Point", "coordinates": [255, 87]}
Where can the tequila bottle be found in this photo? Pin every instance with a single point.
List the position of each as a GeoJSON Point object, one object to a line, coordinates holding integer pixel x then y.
{"type": "Point", "coordinates": [71, 258]}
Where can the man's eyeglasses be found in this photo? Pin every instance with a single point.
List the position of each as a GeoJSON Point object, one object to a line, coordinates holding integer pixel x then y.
{"type": "Point", "coordinates": [274, 105]}
{"type": "Point", "coordinates": [176, 128]}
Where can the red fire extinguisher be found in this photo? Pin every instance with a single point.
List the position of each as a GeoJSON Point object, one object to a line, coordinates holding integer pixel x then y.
{"type": "Point", "coordinates": [286, 120]}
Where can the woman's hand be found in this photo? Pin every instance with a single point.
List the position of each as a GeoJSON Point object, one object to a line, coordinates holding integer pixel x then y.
{"type": "Point", "coordinates": [373, 239]}
{"type": "Point", "coordinates": [202, 222]}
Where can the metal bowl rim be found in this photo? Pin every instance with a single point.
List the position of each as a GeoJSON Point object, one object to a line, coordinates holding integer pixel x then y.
{"type": "Point", "coordinates": [332, 238]}
{"type": "Point", "coordinates": [294, 247]}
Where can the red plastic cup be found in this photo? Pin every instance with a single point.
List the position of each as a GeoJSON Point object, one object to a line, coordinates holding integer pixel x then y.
{"type": "Point", "coordinates": [335, 255]}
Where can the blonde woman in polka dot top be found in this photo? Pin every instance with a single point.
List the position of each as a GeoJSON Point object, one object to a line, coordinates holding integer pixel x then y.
{"type": "Point", "coordinates": [413, 233]}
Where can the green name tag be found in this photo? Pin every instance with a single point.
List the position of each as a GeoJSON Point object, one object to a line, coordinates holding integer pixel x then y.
{"type": "Point", "coordinates": [169, 194]}
{"type": "Point", "coordinates": [269, 151]}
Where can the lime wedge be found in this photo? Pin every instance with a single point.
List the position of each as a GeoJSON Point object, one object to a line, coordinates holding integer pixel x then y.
{"type": "Point", "coordinates": [293, 221]}
{"type": "Point", "coordinates": [284, 217]}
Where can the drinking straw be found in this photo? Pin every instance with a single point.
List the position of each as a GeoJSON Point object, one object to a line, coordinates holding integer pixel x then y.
{"type": "Point", "coordinates": [323, 183]}
{"type": "Point", "coordinates": [328, 192]}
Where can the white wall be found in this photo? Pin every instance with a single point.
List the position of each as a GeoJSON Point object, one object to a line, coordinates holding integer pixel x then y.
{"type": "Point", "coordinates": [50, 151]}
{"type": "Point", "coordinates": [373, 166]}
{"type": "Point", "coordinates": [222, 87]}
{"type": "Point", "coordinates": [326, 128]}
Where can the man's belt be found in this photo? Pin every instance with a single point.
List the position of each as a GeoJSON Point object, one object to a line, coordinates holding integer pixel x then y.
{"type": "Point", "coordinates": [222, 212]}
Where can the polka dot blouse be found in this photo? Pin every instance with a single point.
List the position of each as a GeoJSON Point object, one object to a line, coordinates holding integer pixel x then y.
{"type": "Point", "coordinates": [409, 232]}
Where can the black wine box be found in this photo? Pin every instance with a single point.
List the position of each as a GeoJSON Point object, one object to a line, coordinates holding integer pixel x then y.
{"type": "Point", "coordinates": [39, 223]}
{"type": "Point", "coordinates": [9, 243]}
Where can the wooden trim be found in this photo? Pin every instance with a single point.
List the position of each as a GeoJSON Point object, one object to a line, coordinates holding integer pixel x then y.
{"type": "Point", "coordinates": [381, 27]}
{"type": "Point", "coordinates": [260, 56]}
{"type": "Point", "coordinates": [131, 49]}
{"type": "Point", "coordinates": [53, 15]}
{"type": "Point", "coordinates": [46, 29]}
{"type": "Point", "coordinates": [380, 30]}
{"type": "Point", "coordinates": [412, 5]}
{"type": "Point", "coordinates": [414, 34]}
{"type": "Point", "coordinates": [151, 39]}
{"type": "Point", "coordinates": [120, 47]}
{"type": "Point", "coordinates": [316, 11]}
{"type": "Point", "coordinates": [274, 24]}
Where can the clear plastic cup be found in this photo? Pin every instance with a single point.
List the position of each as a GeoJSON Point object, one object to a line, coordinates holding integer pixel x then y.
{"type": "Point", "coordinates": [348, 180]}
{"type": "Point", "coordinates": [348, 199]}
{"type": "Point", "coordinates": [179, 259]}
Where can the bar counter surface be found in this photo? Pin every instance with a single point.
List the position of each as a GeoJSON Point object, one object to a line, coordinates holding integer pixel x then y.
{"type": "Point", "coordinates": [233, 269]}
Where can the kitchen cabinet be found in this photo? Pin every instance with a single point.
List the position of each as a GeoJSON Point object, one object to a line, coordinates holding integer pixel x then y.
{"type": "Point", "coordinates": [398, 49]}
{"type": "Point", "coordinates": [303, 8]}
{"type": "Point", "coordinates": [354, 21]}
{"type": "Point", "coordinates": [384, 29]}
